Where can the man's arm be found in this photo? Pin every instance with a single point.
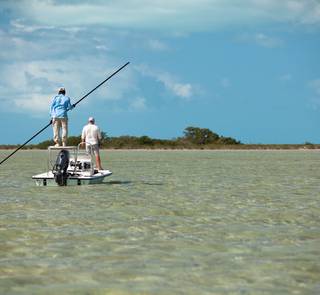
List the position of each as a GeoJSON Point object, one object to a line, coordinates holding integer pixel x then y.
{"type": "Point", "coordinates": [99, 137]}
{"type": "Point", "coordinates": [99, 134]}
{"type": "Point", "coordinates": [51, 108]}
{"type": "Point", "coordinates": [51, 112]}
{"type": "Point", "coordinates": [70, 106]}
{"type": "Point", "coordinates": [83, 135]}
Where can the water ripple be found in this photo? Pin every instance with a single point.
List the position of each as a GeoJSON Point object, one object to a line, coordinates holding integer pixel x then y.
{"type": "Point", "coordinates": [166, 222]}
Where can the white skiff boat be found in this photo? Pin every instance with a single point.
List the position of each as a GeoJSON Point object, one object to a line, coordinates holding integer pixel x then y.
{"type": "Point", "coordinates": [72, 166]}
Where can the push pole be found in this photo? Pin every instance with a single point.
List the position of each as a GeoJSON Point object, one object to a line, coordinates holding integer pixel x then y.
{"type": "Point", "coordinates": [82, 98]}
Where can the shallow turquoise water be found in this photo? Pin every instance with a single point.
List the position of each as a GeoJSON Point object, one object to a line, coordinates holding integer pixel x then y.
{"type": "Point", "coordinates": [166, 222]}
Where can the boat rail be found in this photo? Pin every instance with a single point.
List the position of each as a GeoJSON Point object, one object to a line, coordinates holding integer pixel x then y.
{"type": "Point", "coordinates": [80, 159]}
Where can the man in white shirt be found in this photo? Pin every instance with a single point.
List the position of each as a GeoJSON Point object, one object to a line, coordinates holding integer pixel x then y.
{"type": "Point", "coordinates": [91, 135]}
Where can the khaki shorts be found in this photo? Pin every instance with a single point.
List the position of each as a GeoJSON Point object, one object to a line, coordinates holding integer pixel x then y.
{"type": "Point", "coordinates": [93, 149]}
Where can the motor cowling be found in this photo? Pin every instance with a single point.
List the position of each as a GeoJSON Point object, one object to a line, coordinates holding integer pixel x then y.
{"type": "Point", "coordinates": [60, 168]}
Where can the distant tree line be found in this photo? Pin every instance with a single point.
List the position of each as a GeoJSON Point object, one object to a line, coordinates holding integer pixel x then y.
{"type": "Point", "coordinates": [193, 138]}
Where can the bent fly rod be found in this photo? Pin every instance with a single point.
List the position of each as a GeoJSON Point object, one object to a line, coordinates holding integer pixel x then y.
{"type": "Point", "coordinates": [82, 98]}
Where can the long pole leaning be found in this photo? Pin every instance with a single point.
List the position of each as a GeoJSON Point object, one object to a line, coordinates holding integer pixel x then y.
{"type": "Point", "coordinates": [45, 127]}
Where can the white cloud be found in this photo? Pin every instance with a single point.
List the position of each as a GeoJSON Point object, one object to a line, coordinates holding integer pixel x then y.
{"type": "Point", "coordinates": [182, 90]}
{"type": "Point", "coordinates": [157, 45]}
{"type": "Point", "coordinates": [31, 85]}
{"type": "Point", "coordinates": [138, 104]}
{"type": "Point", "coordinates": [16, 44]}
{"type": "Point", "coordinates": [261, 40]}
{"type": "Point", "coordinates": [184, 15]}
{"type": "Point", "coordinates": [102, 47]}
{"type": "Point", "coordinates": [267, 41]}
{"type": "Point", "coordinates": [34, 64]}
{"type": "Point", "coordinates": [20, 26]}
{"type": "Point", "coordinates": [34, 103]}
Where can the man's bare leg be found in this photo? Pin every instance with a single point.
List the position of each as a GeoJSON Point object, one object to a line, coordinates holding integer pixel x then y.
{"type": "Point", "coordinates": [98, 162]}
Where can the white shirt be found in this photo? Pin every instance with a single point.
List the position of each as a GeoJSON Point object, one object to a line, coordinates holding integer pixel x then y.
{"type": "Point", "coordinates": [91, 134]}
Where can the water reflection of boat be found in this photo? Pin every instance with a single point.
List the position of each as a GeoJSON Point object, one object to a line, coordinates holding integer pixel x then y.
{"type": "Point", "coordinates": [70, 165]}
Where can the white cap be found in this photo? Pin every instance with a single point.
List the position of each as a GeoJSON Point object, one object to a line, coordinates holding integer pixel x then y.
{"type": "Point", "coordinates": [91, 119]}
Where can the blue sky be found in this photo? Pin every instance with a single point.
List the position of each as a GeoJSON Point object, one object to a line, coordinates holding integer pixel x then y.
{"type": "Point", "coordinates": [249, 69]}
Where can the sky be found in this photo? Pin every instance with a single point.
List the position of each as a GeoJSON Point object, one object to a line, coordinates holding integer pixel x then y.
{"type": "Point", "coordinates": [248, 69]}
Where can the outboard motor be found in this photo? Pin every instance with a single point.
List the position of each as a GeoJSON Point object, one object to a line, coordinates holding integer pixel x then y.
{"type": "Point", "coordinates": [60, 168]}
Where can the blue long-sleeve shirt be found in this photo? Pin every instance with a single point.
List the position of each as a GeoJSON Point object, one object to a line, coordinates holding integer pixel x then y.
{"type": "Point", "coordinates": [59, 106]}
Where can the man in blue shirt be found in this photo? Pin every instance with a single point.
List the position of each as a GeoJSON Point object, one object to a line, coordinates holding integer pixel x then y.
{"type": "Point", "coordinates": [58, 111]}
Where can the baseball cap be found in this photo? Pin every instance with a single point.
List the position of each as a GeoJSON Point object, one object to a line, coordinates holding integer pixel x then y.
{"type": "Point", "coordinates": [62, 90]}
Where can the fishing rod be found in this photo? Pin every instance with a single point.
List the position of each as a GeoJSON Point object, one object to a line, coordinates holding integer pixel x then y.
{"type": "Point", "coordinates": [82, 98]}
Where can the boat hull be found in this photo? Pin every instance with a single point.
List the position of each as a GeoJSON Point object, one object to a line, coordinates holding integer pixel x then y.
{"type": "Point", "coordinates": [47, 179]}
